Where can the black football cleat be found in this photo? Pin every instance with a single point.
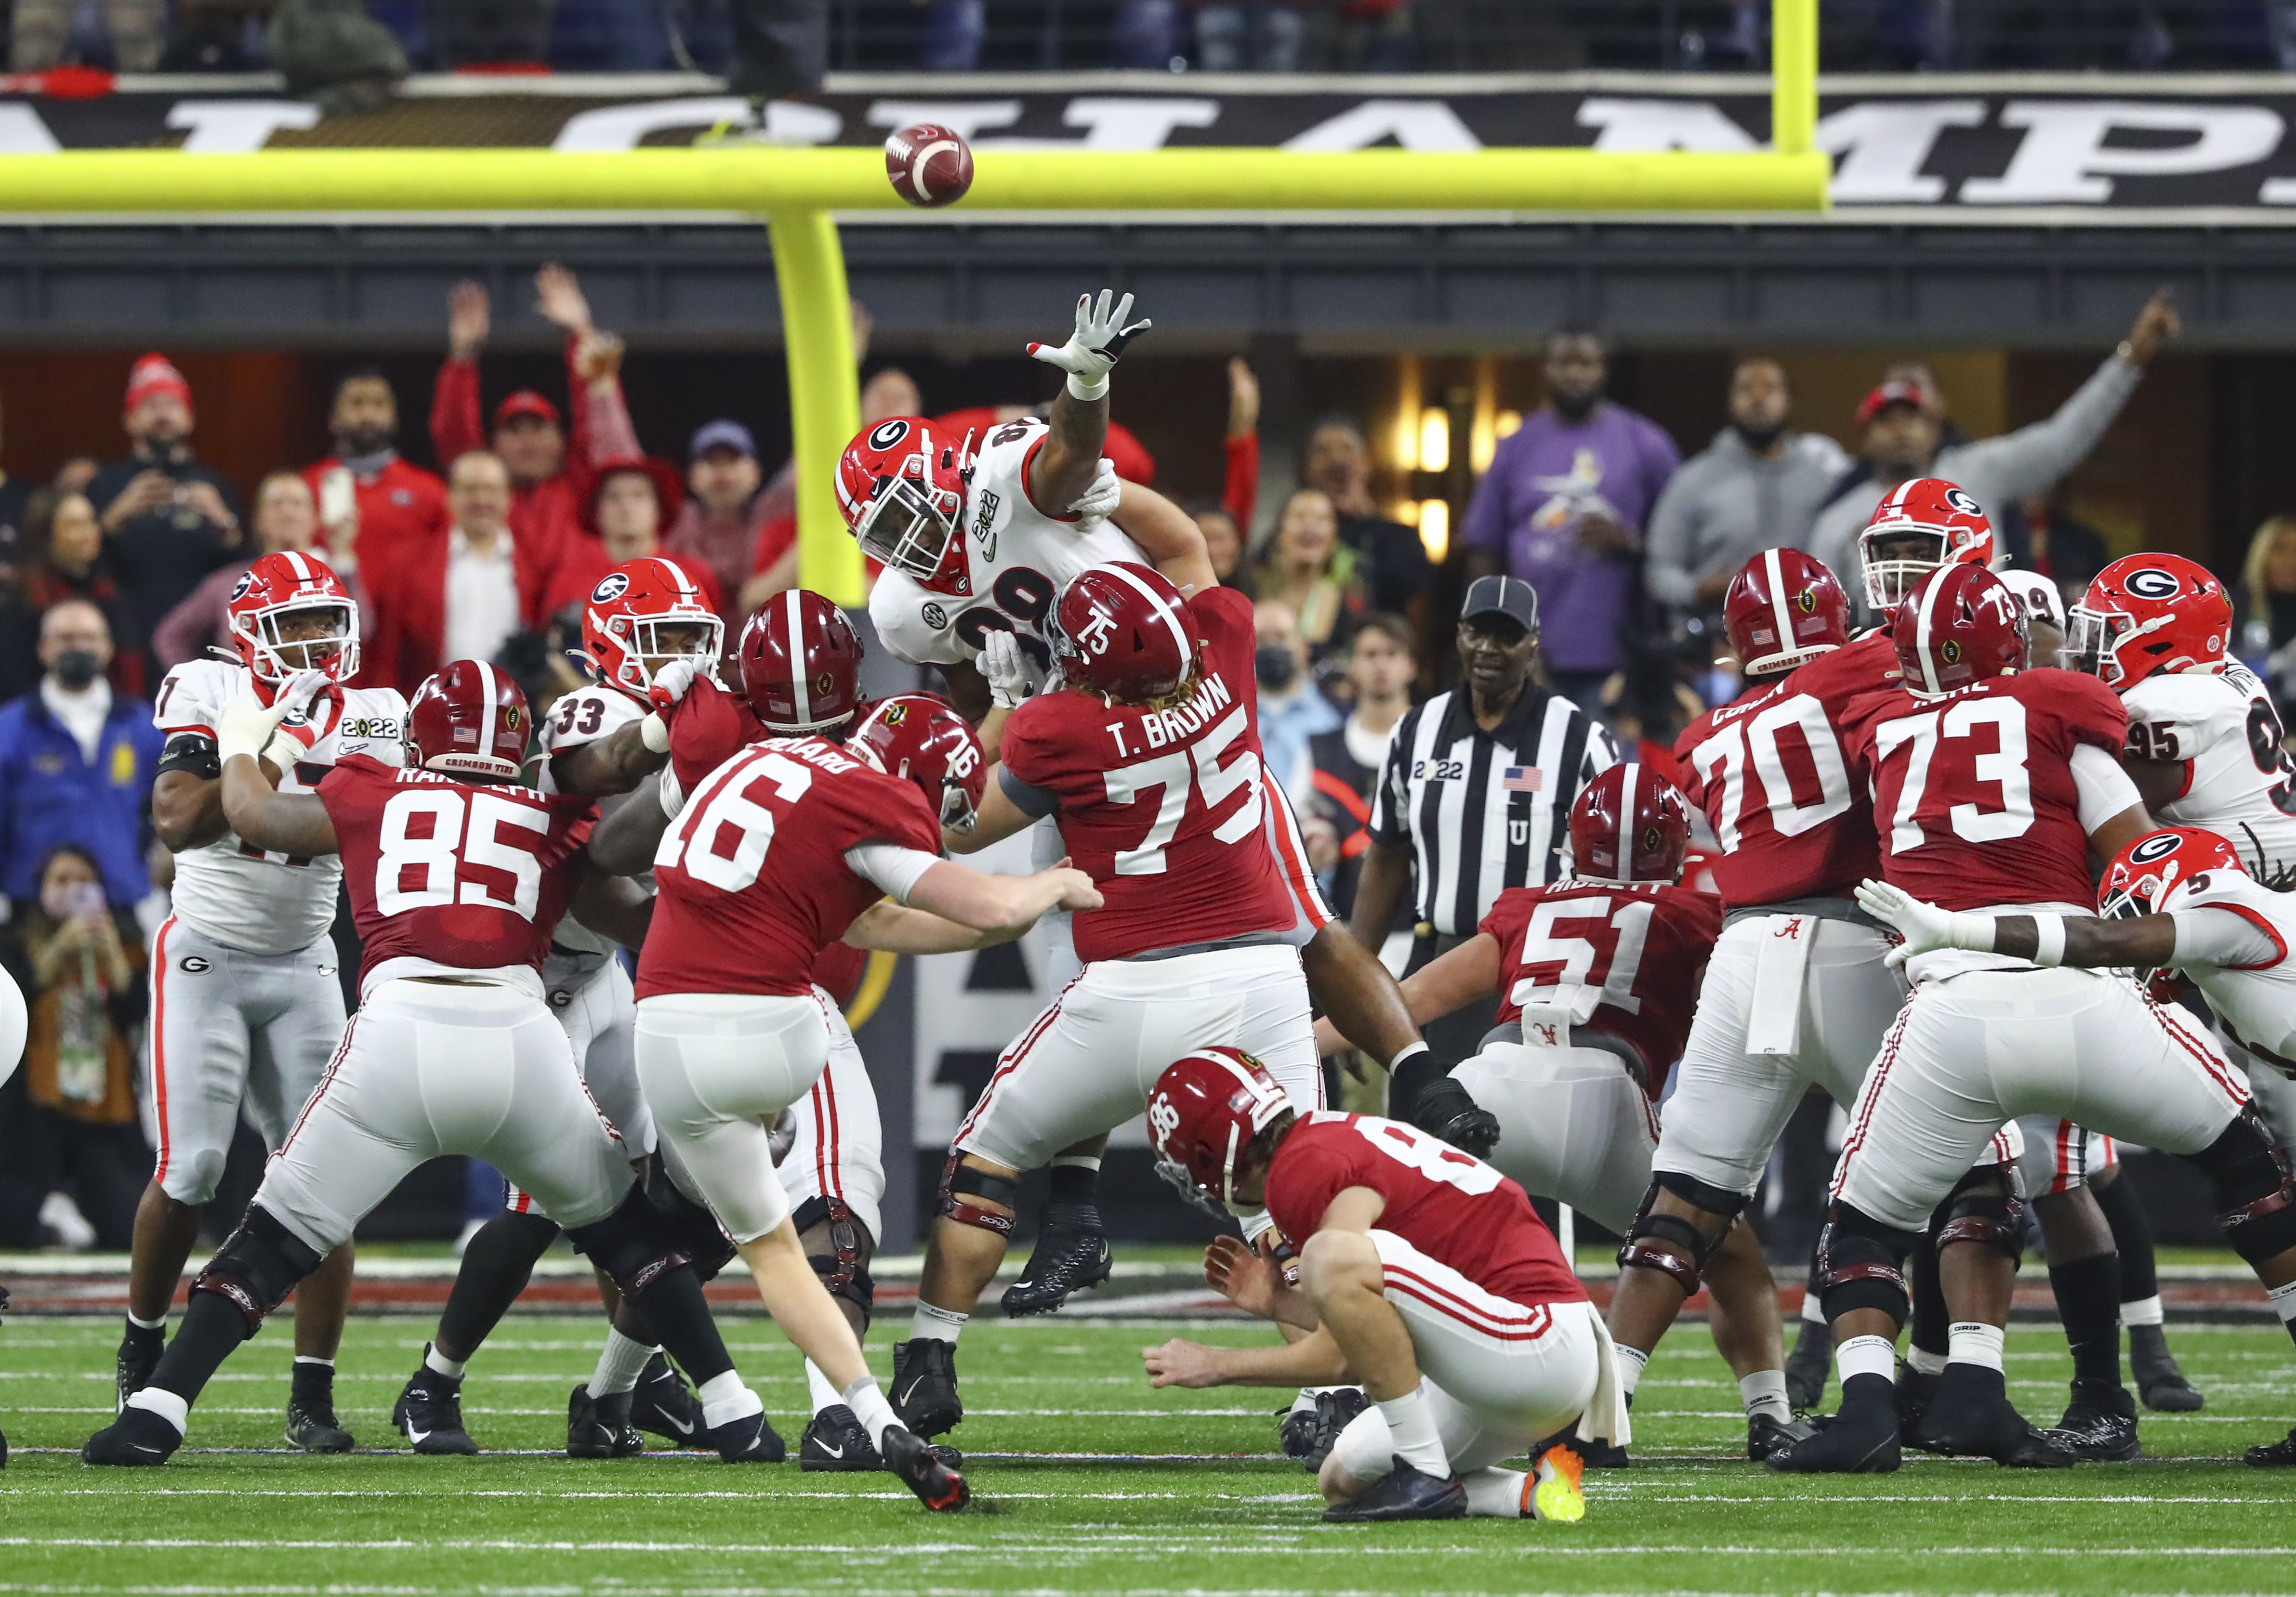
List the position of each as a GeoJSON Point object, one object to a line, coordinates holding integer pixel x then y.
{"type": "Point", "coordinates": [136, 1437]}
{"type": "Point", "coordinates": [1915, 1388]}
{"type": "Point", "coordinates": [924, 1386]}
{"type": "Point", "coordinates": [139, 1356]}
{"type": "Point", "coordinates": [919, 1466]}
{"type": "Point", "coordinates": [311, 1427]}
{"type": "Point", "coordinates": [2099, 1426]}
{"type": "Point", "coordinates": [751, 1439]}
{"type": "Point", "coordinates": [1766, 1436]}
{"type": "Point", "coordinates": [1068, 1258]}
{"type": "Point", "coordinates": [663, 1403]}
{"type": "Point", "coordinates": [1445, 1112]}
{"type": "Point", "coordinates": [428, 1414]}
{"type": "Point", "coordinates": [1971, 1417]}
{"type": "Point", "coordinates": [1860, 1440]}
{"type": "Point", "coordinates": [1808, 1366]}
{"type": "Point", "coordinates": [600, 1427]}
{"type": "Point", "coordinates": [1403, 1493]}
{"type": "Point", "coordinates": [2159, 1382]}
{"type": "Point", "coordinates": [1334, 1412]}
{"type": "Point", "coordinates": [1296, 1435]}
{"type": "Point", "coordinates": [836, 1440]}
{"type": "Point", "coordinates": [2273, 1455]}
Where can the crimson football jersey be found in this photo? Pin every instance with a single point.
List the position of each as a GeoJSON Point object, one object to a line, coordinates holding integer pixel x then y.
{"type": "Point", "coordinates": [458, 874]}
{"type": "Point", "coordinates": [1448, 1205]}
{"type": "Point", "coordinates": [1623, 958]}
{"type": "Point", "coordinates": [752, 878]}
{"type": "Point", "coordinates": [1160, 807]}
{"type": "Point", "coordinates": [1974, 792]}
{"type": "Point", "coordinates": [1771, 773]}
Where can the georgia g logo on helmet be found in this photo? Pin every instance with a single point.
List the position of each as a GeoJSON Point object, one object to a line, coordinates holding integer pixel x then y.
{"type": "Point", "coordinates": [1960, 500]}
{"type": "Point", "coordinates": [2153, 583]}
{"type": "Point", "coordinates": [887, 434]}
{"type": "Point", "coordinates": [612, 586]}
{"type": "Point", "coordinates": [246, 581]}
{"type": "Point", "coordinates": [2161, 845]}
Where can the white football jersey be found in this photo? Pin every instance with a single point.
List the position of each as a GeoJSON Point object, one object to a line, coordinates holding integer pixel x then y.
{"type": "Point", "coordinates": [1017, 560]}
{"type": "Point", "coordinates": [2239, 783]}
{"type": "Point", "coordinates": [582, 716]}
{"type": "Point", "coordinates": [2243, 967]}
{"type": "Point", "coordinates": [240, 895]}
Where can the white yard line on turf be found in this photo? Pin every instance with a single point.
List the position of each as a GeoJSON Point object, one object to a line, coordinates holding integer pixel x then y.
{"type": "Point", "coordinates": [1084, 1542]}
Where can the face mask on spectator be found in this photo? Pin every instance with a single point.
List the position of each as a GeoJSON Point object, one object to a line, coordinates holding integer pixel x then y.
{"type": "Point", "coordinates": [76, 668]}
{"type": "Point", "coordinates": [1275, 666]}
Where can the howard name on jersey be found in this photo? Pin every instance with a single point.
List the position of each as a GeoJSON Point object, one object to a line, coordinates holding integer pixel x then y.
{"type": "Point", "coordinates": [1448, 1205]}
{"type": "Point", "coordinates": [2236, 933]}
{"type": "Point", "coordinates": [1160, 807]}
{"type": "Point", "coordinates": [1624, 959]}
{"type": "Point", "coordinates": [2239, 782]}
{"type": "Point", "coordinates": [451, 875]}
{"type": "Point", "coordinates": [752, 877]}
{"type": "Point", "coordinates": [1974, 792]}
{"type": "Point", "coordinates": [1018, 558]}
{"type": "Point", "coordinates": [1772, 773]}
{"type": "Point", "coordinates": [241, 896]}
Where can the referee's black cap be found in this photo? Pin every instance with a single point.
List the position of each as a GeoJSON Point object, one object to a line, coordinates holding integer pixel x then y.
{"type": "Point", "coordinates": [1507, 596]}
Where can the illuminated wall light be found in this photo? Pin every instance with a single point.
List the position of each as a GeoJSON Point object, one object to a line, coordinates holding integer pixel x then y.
{"type": "Point", "coordinates": [1434, 440]}
{"type": "Point", "coordinates": [1405, 511]}
{"type": "Point", "coordinates": [1507, 423]}
{"type": "Point", "coordinates": [1435, 529]}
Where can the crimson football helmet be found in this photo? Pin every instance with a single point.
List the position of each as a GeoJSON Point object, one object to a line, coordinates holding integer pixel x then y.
{"type": "Point", "coordinates": [623, 618]}
{"type": "Point", "coordinates": [468, 720]}
{"type": "Point", "coordinates": [1962, 625]}
{"type": "Point", "coordinates": [901, 488]}
{"type": "Point", "coordinates": [1629, 825]}
{"type": "Point", "coordinates": [801, 664]}
{"type": "Point", "coordinates": [1783, 608]}
{"type": "Point", "coordinates": [1927, 507]}
{"type": "Point", "coordinates": [285, 584]}
{"type": "Point", "coordinates": [1122, 631]}
{"type": "Point", "coordinates": [1206, 1110]}
{"type": "Point", "coordinates": [2158, 867]}
{"type": "Point", "coordinates": [2145, 615]}
{"type": "Point", "coordinates": [919, 738]}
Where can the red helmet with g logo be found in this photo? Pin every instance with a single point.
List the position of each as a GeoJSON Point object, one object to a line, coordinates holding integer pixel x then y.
{"type": "Point", "coordinates": [919, 738]}
{"type": "Point", "coordinates": [1122, 631]}
{"type": "Point", "coordinates": [1206, 1110]}
{"type": "Point", "coordinates": [2148, 614]}
{"type": "Point", "coordinates": [901, 487]}
{"type": "Point", "coordinates": [2159, 866]}
{"type": "Point", "coordinates": [284, 584]}
{"type": "Point", "coordinates": [801, 664]}
{"type": "Point", "coordinates": [624, 620]}
{"type": "Point", "coordinates": [1783, 608]}
{"type": "Point", "coordinates": [1629, 825]}
{"type": "Point", "coordinates": [1962, 625]}
{"type": "Point", "coordinates": [1953, 527]}
{"type": "Point", "coordinates": [468, 720]}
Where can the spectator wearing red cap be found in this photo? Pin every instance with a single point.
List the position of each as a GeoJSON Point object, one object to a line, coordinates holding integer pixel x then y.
{"type": "Point", "coordinates": [462, 593]}
{"type": "Point", "coordinates": [167, 519]}
{"type": "Point", "coordinates": [395, 505]}
{"type": "Point", "coordinates": [633, 496]}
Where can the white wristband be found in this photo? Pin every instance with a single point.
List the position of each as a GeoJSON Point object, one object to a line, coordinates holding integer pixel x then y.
{"type": "Point", "coordinates": [1089, 389]}
{"type": "Point", "coordinates": [654, 732]}
{"type": "Point", "coordinates": [2049, 932]}
{"type": "Point", "coordinates": [1972, 932]}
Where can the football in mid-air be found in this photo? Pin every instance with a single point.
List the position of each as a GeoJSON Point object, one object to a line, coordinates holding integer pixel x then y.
{"type": "Point", "coordinates": [929, 164]}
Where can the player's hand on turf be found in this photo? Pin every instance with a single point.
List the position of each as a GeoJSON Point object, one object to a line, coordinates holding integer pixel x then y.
{"type": "Point", "coordinates": [1092, 350]}
{"type": "Point", "coordinates": [1179, 1363]}
{"type": "Point", "coordinates": [246, 726]}
{"type": "Point", "coordinates": [1241, 1276]}
{"type": "Point", "coordinates": [1099, 502]}
{"type": "Point", "coordinates": [1925, 927]}
{"type": "Point", "coordinates": [672, 683]}
{"type": "Point", "coordinates": [1004, 668]}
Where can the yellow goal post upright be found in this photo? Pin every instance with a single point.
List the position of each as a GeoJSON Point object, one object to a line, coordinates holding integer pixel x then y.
{"type": "Point", "coordinates": [798, 191]}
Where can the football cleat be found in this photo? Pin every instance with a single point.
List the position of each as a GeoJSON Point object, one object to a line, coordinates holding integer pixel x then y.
{"type": "Point", "coordinates": [2159, 1382]}
{"type": "Point", "coordinates": [919, 1466]}
{"type": "Point", "coordinates": [1808, 1366]}
{"type": "Point", "coordinates": [2099, 1426]}
{"type": "Point", "coordinates": [663, 1403]}
{"type": "Point", "coordinates": [2273, 1455]}
{"type": "Point", "coordinates": [1445, 1112]}
{"type": "Point", "coordinates": [600, 1427]}
{"type": "Point", "coordinates": [136, 1437]}
{"type": "Point", "coordinates": [836, 1440]}
{"type": "Point", "coordinates": [1915, 1388]}
{"type": "Point", "coordinates": [1974, 1419]}
{"type": "Point", "coordinates": [139, 1356]}
{"type": "Point", "coordinates": [1766, 1436]}
{"type": "Point", "coordinates": [428, 1414]}
{"type": "Point", "coordinates": [1555, 1488]}
{"type": "Point", "coordinates": [1858, 1441]}
{"type": "Point", "coordinates": [1310, 1434]}
{"type": "Point", "coordinates": [1404, 1492]}
{"type": "Point", "coordinates": [751, 1439]}
{"type": "Point", "coordinates": [924, 1386]}
{"type": "Point", "coordinates": [1067, 1258]}
{"type": "Point", "coordinates": [311, 1428]}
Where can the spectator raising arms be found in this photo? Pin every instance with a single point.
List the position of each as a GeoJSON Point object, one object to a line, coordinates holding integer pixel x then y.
{"type": "Point", "coordinates": [286, 518]}
{"type": "Point", "coordinates": [67, 559]}
{"type": "Point", "coordinates": [1304, 568]}
{"type": "Point", "coordinates": [1563, 508]}
{"type": "Point", "coordinates": [394, 505]}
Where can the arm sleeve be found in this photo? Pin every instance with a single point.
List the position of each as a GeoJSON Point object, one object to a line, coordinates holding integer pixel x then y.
{"type": "Point", "coordinates": [1665, 545]}
{"type": "Point", "coordinates": [455, 427]}
{"type": "Point", "coordinates": [2104, 788]}
{"type": "Point", "coordinates": [892, 868]}
{"type": "Point", "coordinates": [192, 751]}
{"type": "Point", "coordinates": [2032, 460]}
{"type": "Point", "coordinates": [1239, 495]}
{"type": "Point", "coordinates": [580, 445]}
{"type": "Point", "coordinates": [2223, 939]}
{"type": "Point", "coordinates": [1027, 797]}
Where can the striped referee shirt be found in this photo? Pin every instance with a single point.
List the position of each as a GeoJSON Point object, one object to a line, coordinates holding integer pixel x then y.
{"type": "Point", "coordinates": [1484, 811]}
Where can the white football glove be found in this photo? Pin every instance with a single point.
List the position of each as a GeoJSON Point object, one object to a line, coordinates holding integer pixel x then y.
{"type": "Point", "coordinates": [1099, 502]}
{"type": "Point", "coordinates": [672, 683]}
{"type": "Point", "coordinates": [300, 694]}
{"type": "Point", "coordinates": [246, 726]}
{"type": "Point", "coordinates": [1100, 337]}
{"type": "Point", "coordinates": [1925, 927]}
{"type": "Point", "coordinates": [1003, 665]}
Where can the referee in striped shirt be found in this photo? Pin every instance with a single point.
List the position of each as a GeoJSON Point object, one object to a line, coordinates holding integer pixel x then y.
{"type": "Point", "coordinates": [1475, 798]}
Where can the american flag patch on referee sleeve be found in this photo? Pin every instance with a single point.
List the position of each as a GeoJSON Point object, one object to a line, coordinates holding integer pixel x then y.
{"type": "Point", "coordinates": [1521, 779]}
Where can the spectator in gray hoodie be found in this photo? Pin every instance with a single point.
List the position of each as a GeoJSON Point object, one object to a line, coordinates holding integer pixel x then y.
{"type": "Point", "coordinates": [1758, 486]}
{"type": "Point", "coordinates": [1901, 443]}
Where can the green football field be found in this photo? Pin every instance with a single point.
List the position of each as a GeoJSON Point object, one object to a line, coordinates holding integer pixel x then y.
{"type": "Point", "coordinates": [1085, 1481]}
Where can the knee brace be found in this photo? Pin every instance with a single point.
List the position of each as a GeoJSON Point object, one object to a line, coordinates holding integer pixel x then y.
{"type": "Point", "coordinates": [1684, 1267]}
{"type": "Point", "coordinates": [689, 1224]}
{"type": "Point", "coordinates": [1982, 1210]}
{"type": "Point", "coordinates": [633, 1245]}
{"type": "Point", "coordinates": [1861, 1265]}
{"type": "Point", "coordinates": [256, 1266]}
{"type": "Point", "coordinates": [960, 1181]}
{"type": "Point", "coordinates": [844, 1269]}
{"type": "Point", "coordinates": [2255, 1201]}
